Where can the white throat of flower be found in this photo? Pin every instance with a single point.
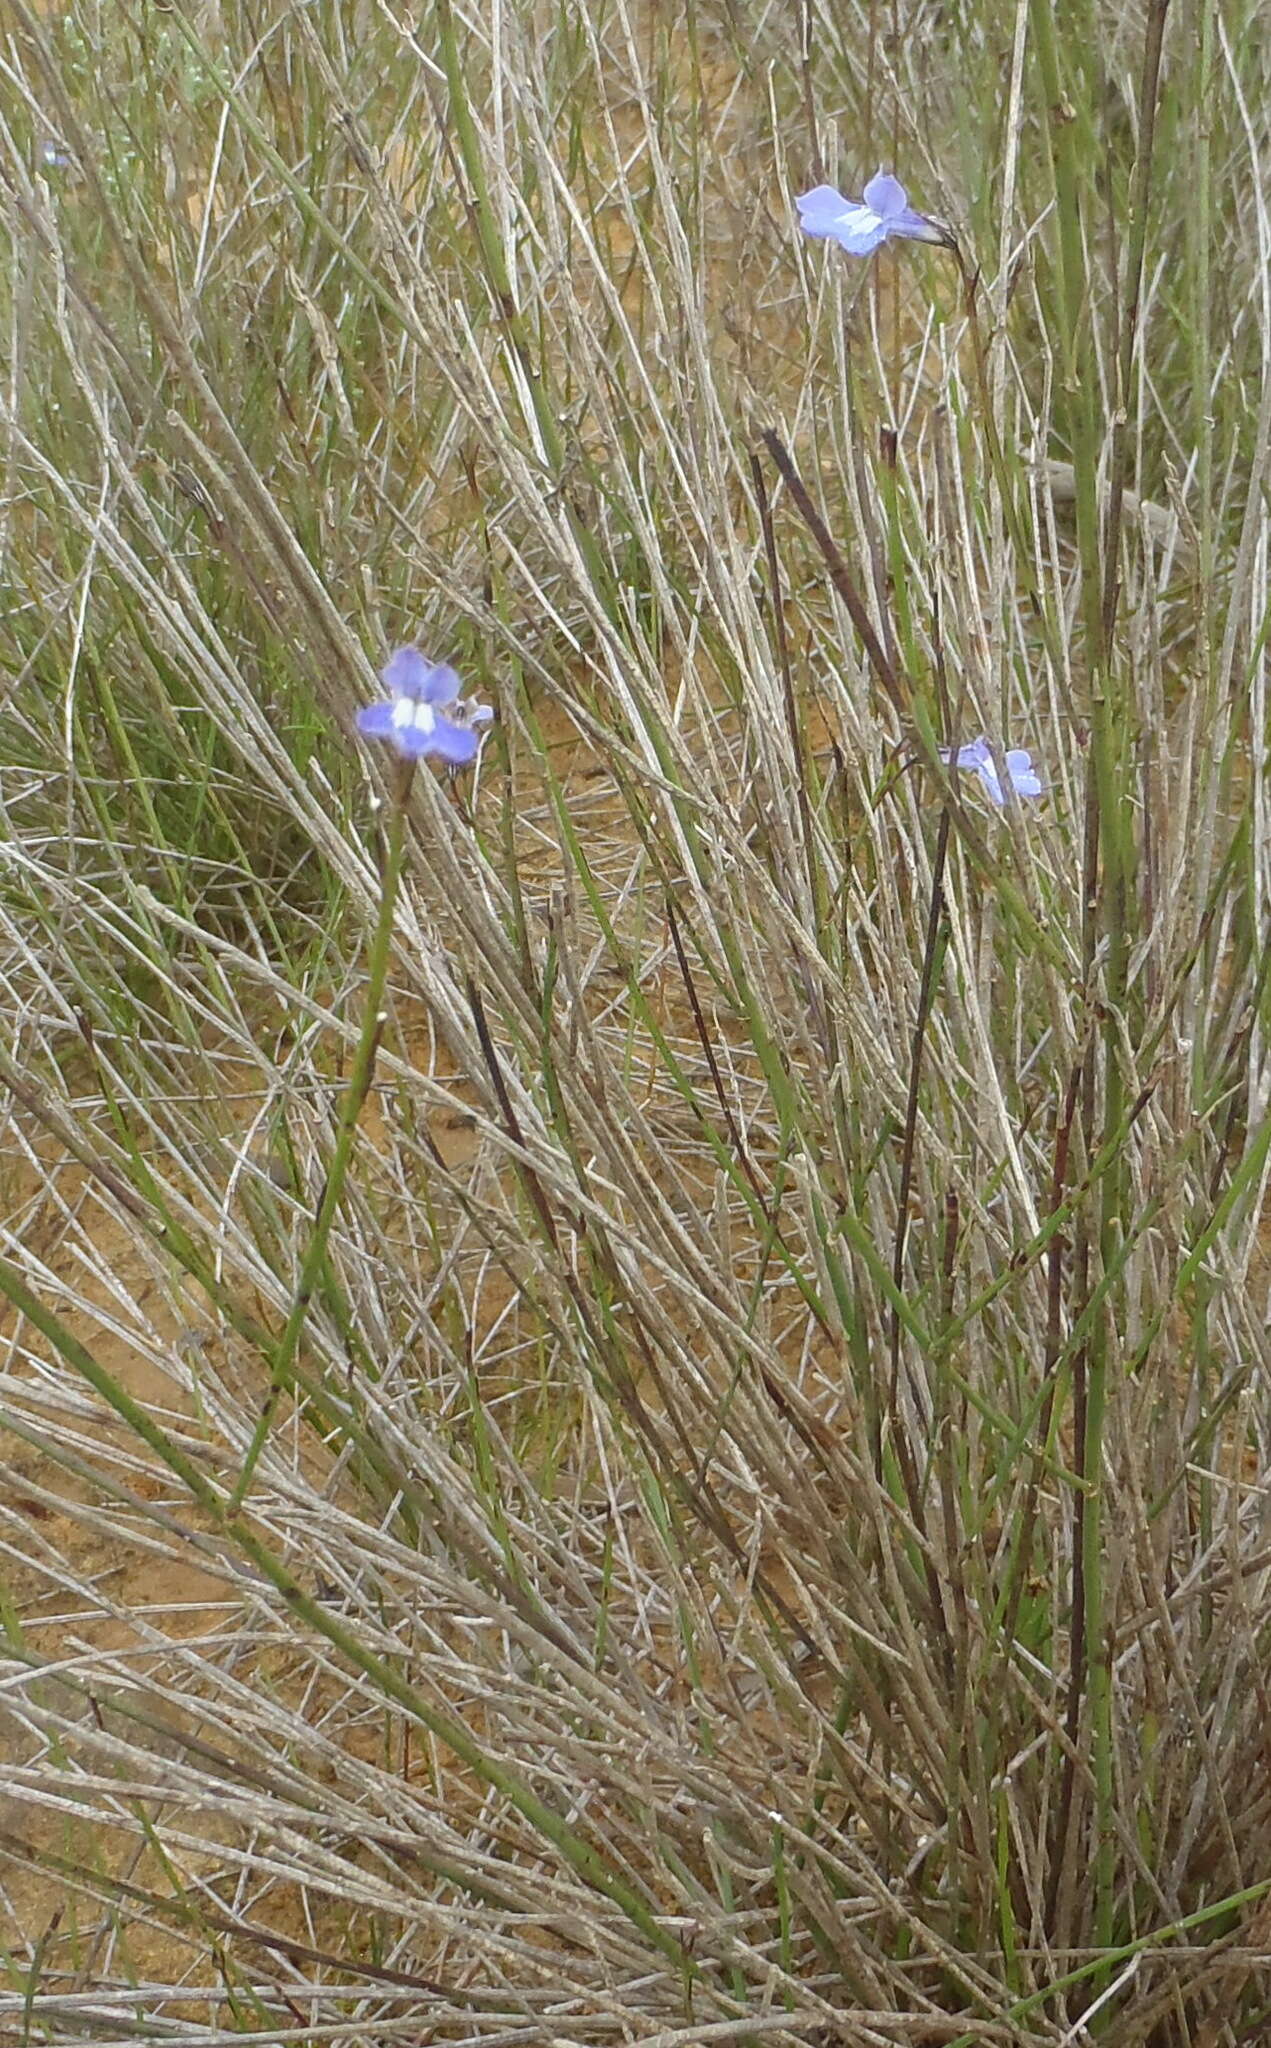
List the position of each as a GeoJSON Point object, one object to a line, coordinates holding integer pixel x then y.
{"type": "Point", "coordinates": [410, 713]}
{"type": "Point", "coordinates": [859, 219]}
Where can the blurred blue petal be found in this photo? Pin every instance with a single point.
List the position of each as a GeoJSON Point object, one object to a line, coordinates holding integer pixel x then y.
{"type": "Point", "coordinates": [825, 213]}
{"type": "Point", "coordinates": [886, 195]}
{"type": "Point", "coordinates": [1025, 780]}
{"type": "Point", "coordinates": [411, 720]}
{"type": "Point", "coordinates": [408, 674]}
{"type": "Point", "coordinates": [862, 225]}
{"type": "Point", "coordinates": [976, 758]}
{"type": "Point", "coordinates": [376, 722]}
{"type": "Point", "coordinates": [820, 208]}
{"type": "Point", "coordinates": [457, 744]}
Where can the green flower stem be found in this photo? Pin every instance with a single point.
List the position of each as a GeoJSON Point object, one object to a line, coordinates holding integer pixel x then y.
{"type": "Point", "coordinates": [355, 1094]}
{"type": "Point", "coordinates": [1079, 387]}
{"type": "Point", "coordinates": [1108, 869]}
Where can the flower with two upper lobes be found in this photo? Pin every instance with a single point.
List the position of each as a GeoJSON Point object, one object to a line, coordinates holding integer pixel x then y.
{"type": "Point", "coordinates": [978, 757]}
{"type": "Point", "coordinates": [862, 225]}
{"type": "Point", "coordinates": [425, 713]}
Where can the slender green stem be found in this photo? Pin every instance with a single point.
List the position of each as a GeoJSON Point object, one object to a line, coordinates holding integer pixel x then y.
{"type": "Point", "coordinates": [1079, 386]}
{"type": "Point", "coordinates": [1108, 868]}
{"type": "Point", "coordinates": [355, 1093]}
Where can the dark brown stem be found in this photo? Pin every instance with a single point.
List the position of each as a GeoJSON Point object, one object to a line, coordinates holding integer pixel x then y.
{"type": "Point", "coordinates": [839, 573]}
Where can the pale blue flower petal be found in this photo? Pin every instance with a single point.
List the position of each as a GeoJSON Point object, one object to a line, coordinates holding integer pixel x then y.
{"type": "Point", "coordinates": [375, 722]}
{"type": "Point", "coordinates": [443, 685]}
{"type": "Point", "coordinates": [976, 758]}
{"type": "Point", "coordinates": [973, 755]}
{"type": "Point", "coordinates": [825, 213]}
{"type": "Point", "coordinates": [818, 208]}
{"type": "Point", "coordinates": [821, 199]}
{"type": "Point", "coordinates": [886, 195]}
{"type": "Point", "coordinates": [408, 674]}
{"type": "Point", "coordinates": [862, 225]}
{"type": "Point", "coordinates": [456, 744]}
{"type": "Point", "coordinates": [411, 720]}
{"type": "Point", "coordinates": [1024, 777]}
{"type": "Point", "coordinates": [860, 231]}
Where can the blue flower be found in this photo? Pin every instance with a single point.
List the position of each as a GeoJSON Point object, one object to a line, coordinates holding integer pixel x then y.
{"type": "Point", "coordinates": [863, 225]}
{"type": "Point", "coordinates": [425, 713]}
{"type": "Point", "coordinates": [977, 755]}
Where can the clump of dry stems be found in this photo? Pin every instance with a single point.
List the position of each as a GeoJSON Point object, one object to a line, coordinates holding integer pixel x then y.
{"type": "Point", "coordinates": [765, 1535]}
